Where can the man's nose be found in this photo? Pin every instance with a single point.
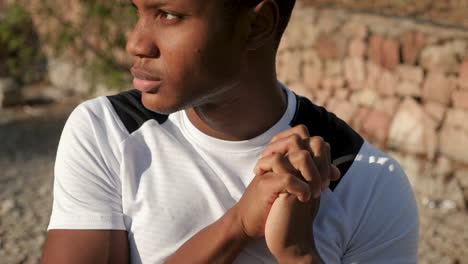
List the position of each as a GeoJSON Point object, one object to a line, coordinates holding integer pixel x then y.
{"type": "Point", "coordinates": [141, 42]}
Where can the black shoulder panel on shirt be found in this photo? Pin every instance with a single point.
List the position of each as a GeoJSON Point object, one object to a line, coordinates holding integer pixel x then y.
{"type": "Point", "coordinates": [131, 110]}
{"type": "Point", "coordinates": [344, 142]}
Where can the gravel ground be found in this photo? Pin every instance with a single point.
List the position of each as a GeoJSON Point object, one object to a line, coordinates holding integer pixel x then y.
{"type": "Point", "coordinates": [27, 151]}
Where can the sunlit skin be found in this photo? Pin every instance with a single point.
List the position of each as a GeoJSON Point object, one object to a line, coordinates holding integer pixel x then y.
{"type": "Point", "coordinates": [210, 66]}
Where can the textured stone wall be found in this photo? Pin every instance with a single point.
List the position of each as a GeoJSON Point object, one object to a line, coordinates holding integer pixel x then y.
{"type": "Point", "coordinates": [404, 86]}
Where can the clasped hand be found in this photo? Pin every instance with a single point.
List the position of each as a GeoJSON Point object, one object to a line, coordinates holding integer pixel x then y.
{"type": "Point", "coordinates": [283, 199]}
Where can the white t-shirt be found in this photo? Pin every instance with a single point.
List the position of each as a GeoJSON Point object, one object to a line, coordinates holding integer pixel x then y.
{"type": "Point", "coordinates": [122, 167]}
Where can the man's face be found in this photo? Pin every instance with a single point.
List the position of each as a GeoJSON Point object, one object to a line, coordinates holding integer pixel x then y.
{"type": "Point", "coordinates": [186, 53]}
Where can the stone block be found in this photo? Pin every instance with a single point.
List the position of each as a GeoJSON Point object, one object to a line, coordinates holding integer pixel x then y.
{"type": "Point", "coordinates": [387, 83]}
{"type": "Point", "coordinates": [462, 176]}
{"type": "Point", "coordinates": [374, 73]}
{"type": "Point", "coordinates": [412, 42]}
{"type": "Point", "coordinates": [342, 94]}
{"type": "Point", "coordinates": [410, 73]}
{"type": "Point", "coordinates": [312, 76]}
{"type": "Point", "coordinates": [342, 108]}
{"type": "Point", "coordinates": [333, 83]}
{"type": "Point", "coordinates": [440, 59]}
{"type": "Point", "coordinates": [365, 97]}
{"type": "Point", "coordinates": [289, 66]}
{"type": "Point", "coordinates": [328, 47]}
{"type": "Point", "coordinates": [377, 125]}
{"type": "Point", "coordinates": [408, 88]}
{"type": "Point", "coordinates": [357, 48]}
{"type": "Point", "coordinates": [463, 74]}
{"type": "Point", "coordinates": [413, 130]}
{"type": "Point", "coordinates": [453, 143]}
{"type": "Point", "coordinates": [436, 111]}
{"type": "Point", "coordinates": [355, 30]}
{"type": "Point", "coordinates": [391, 54]}
{"type": "Point", "coordinates": [333, 68]}
{"type": "Point", "coordinates": [438, 87]}
{"type": "Point", "coordinates": [457, 118]}
{"type": "Point", "coordinates": [384, 52]}
{"type": "Point", "coordinates": [387, 105]}
{"type": "Point", "coordinates": [321, 96]}
{"type": "Point", "coordinates": [301, 89]}
{"type": "Point", "coordinates": [359, 117]}
{"type": "Point", "coordinates": [460, 99]}
{"type": "Point", "coordinates": [375, 49]}
{"type": "Point", "coordinates": [355, 74]}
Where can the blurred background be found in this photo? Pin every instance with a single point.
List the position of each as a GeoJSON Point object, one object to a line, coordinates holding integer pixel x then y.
{"type": "Point", "coordinates": [396, 70]}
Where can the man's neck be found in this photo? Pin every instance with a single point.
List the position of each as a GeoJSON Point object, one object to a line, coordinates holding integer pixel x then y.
{"type": "Point", "coordinates": [248, 112]}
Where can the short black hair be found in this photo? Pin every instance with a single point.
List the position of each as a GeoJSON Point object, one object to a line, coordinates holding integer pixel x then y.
{"type": "Point", "coordinates": [285, 9]}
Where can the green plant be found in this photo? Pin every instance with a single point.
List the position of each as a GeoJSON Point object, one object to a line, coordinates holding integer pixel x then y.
{"type": "Point", "coordinates": [105, 24]}
{"type": "Point", "coordinates": [20, 45]}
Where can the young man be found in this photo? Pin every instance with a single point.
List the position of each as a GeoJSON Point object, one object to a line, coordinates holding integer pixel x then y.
{"type": "Point", "coordinates": [211, 160]}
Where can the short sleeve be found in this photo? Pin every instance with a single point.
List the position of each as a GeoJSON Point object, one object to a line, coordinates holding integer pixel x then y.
{"type": "Point", "coordinates": [87, 188]}
{"type": "Point", "coordinates": [387, 230]}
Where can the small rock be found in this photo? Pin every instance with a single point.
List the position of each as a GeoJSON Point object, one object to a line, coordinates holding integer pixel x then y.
{"type": "Point", "coordinates": [7, 206]}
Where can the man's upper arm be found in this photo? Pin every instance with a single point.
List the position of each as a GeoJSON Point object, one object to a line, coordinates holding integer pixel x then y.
{"type": "Point", "coordinates": [387, 229]}
{"type": "Point", "coordinates": [86, 246]}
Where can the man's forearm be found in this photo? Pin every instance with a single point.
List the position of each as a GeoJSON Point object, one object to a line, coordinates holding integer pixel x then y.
{"type": "Point", "coordinates": [219, 242]}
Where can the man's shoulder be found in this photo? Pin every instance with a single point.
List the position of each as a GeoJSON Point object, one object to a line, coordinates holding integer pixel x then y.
{"type": "Point", "coordinates": [131, 111]}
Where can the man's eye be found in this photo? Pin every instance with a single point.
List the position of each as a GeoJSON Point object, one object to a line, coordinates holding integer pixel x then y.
{"type": "Point", "coordinates": [168, 16]}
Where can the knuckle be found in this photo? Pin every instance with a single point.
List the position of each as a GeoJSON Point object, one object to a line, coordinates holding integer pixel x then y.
{"type": "Point", "coordinates": [302, 129]}
{"type": "Point", "coordinates": [288, 179]}
{"type": "Point", "coordinates": [277, 157]}
{"type": "Point", "coordinates": [303, 155]}
{"type": "Point", "coordinates": [295, 139]}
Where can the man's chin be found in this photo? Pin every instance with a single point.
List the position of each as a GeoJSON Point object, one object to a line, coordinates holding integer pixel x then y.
{"type": "Point", "coordinates": [157, 107]}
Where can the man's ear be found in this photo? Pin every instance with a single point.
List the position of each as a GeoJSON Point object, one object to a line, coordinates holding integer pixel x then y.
{"type": "Point", "coordinates": [264, 20]}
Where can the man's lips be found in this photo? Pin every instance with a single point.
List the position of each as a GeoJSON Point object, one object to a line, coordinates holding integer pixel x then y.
{"type": "Point", "coordinates": [145, 82]}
